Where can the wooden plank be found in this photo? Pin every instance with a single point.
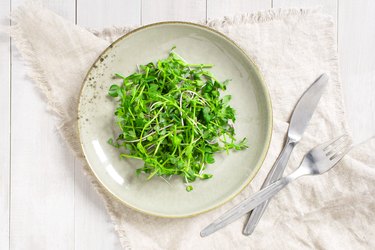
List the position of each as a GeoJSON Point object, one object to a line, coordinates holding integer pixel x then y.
{"type": "Point", "coordinates": [4, 127]}
{"type": "Point", "coordinates": [328, 6]}
{"type": "Point", "coordinates": [172, 10]}
{"type": "Point", "coordinates": [99, 14]}
{"type": "Point", "coordinates": [217, 9]}
{"type": "Point", "coordinates": [357, 64]}
{"type": "Point", "coordinates": [63, 8]}
{"type": "Point", "coordinates": [42, 179]}
{"type": "Point", "coordinates": [93, 227]}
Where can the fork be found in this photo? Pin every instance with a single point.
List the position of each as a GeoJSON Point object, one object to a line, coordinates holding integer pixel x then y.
{"type": "Point", "coordinates": [317, 161]}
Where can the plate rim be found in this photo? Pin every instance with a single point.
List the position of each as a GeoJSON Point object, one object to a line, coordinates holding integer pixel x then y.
{"type": "Point", "coordinates": [268, 134]}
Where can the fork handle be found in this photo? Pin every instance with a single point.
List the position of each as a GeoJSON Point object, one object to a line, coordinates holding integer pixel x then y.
{"type": "Point", "coordinates": [275, 174]}
{"type": "Point", "coordinates": [245, 206]}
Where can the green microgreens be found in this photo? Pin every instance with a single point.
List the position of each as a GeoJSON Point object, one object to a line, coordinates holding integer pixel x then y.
{"type": "Point", "coordinates": [172, 117]}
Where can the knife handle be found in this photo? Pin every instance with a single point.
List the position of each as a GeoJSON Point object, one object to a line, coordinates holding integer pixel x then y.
{"type": "Point", "coordinates": [275, 174]}
{"type": "Point", "coordinates": [247, 205]}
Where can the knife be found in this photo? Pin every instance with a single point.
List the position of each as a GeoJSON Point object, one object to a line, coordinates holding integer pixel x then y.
{"type": "Point", "coordinates": [300, 118]}
{"type": "Point", "coordinates": [298, 123]}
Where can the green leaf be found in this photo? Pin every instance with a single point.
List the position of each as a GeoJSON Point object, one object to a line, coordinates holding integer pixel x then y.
{"type": "Point", "coordinates": [113, 90]}
{"type": "Point", "coordinates": [226, 100]}
{"type": "Point", "coordinates": [206, 176]}
{"type": "Point", "coordinates": [176, 140]}
{"type": "Point", "coordinates": [153, 87]}
{"type": "Point", "coordinates": [206, 114]}
{"type": "Point", "coordinates": [113, 143]}
{"type": "Point", "coordinates": [209, 158]}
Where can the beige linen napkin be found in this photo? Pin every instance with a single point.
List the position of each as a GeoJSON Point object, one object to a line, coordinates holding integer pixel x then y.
{"type": "Point", "coordinates": [292, 47]}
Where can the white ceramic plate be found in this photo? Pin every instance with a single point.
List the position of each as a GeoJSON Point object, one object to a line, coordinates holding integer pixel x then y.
{"type": "Point", "coordinates": [231, 173]}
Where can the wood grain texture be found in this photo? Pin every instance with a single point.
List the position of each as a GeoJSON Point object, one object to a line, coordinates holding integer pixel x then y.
{"type": "Point", "coordinates": [328, 6]}
{"type": "Point", "coordinates": [64, 8]}
{"type": "Point", "coordinates": [357, 49]}
{"type": "Point", "coordinates": [222, 8]}
{"type": "Point", "coordinates": [172, 10]}
{"type": "Point", "coordinates": [99, 13]}
{"type": "Point", "coordinates": [42, 179]}
{"type": "Point", "coordinates": [93, 227]}
{"type": "Point", "coordinates": [4, 127]}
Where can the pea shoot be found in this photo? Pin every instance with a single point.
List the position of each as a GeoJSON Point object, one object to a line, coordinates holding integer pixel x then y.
{"type": "Point", "coordinates": [172, 116]}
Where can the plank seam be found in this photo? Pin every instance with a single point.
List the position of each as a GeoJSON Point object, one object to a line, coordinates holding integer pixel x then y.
{"type": "Point", "coordinates": [10, 132]}
{"type": "Point", "coordinates": [141, 13]}
{"type": "Point", "coordinates": [74, 158]}
{"type": "Point", "coordinates": [206, 11]}
{"type": "Point", "coordinates": [337, 24]}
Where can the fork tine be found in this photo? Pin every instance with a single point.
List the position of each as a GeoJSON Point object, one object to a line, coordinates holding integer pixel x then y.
{"type": "Point", "coordinates": [339, 155]}
{"type": "Point", "coordinates": [331, 143]}
{"type": "Point", "coordinates": [337, 146]}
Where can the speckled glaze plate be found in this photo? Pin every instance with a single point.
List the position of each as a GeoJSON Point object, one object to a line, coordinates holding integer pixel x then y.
{"type": "Point", "coordinates": [231, 173]}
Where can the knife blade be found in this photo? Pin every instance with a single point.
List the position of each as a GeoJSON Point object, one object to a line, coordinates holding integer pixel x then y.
{"type": "Point", "coordinates": [300, 118]}
{"type": "Point", "coordinates": [305, 108]}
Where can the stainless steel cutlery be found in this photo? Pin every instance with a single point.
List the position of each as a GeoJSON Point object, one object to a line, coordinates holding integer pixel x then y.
{"type": "Point", "coordinates": [317, 161]}
{"type": "Point", "coordinates": [300, 118]}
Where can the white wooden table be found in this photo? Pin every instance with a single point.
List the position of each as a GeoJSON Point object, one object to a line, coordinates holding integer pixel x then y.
{"type": "Point", "coordinates": [45, 201]}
